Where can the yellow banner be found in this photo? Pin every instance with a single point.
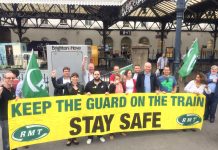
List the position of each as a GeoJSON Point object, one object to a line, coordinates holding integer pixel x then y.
{"type": "Point", "coordinates": [40, 120]}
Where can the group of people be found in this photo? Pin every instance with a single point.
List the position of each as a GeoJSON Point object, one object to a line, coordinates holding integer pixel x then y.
{"type": "Point", "coordinates": [140, 81]}
{"type": "Point", "coordinates": [137, 81]}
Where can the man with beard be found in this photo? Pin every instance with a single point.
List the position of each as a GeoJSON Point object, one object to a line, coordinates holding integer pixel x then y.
{"type": "Point", "coordinates": [96, 86]}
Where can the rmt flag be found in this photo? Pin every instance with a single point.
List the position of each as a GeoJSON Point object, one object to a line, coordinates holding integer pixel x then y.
{"type": "Point", "coordinates": [189, 60]}
{"type": "Point", "coordinates": [33, 84]}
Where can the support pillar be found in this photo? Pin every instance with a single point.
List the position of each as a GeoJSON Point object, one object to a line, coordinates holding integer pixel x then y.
{"type": "Point", "coordinates": [179, 18]}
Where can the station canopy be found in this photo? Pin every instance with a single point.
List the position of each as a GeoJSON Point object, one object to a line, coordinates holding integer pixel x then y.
{"type": "Point", "coordinates": [69, 2]}
{"type": "Point", "coordinates": [200, 15]}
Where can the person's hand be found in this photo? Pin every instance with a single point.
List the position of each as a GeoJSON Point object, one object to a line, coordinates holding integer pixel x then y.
{"type": "Point", "coordinates": [163, 92]}
{"type": "Point", "coordinates": [1, 89]}
{"type": "Point", "coordinates": [157, 92]}
{"type": "Point", "coordinates": [173, 92]}
{"type": "Point", "coordinates": [197, 93]}
{"type": "Point", "coordinates": [106, 93]}
{"type": "Point", "coordinates": [85, 58]}
{"type": "Point", "coordinates": [116, 82]}
{"type": "Point", "coordinates": [215, 80]}
{"type": "Point", "coordinates": [17, 98]}
{"type": "Point", "coordinates": [53, 73]}
{"type": "Point", "coordinates": [88, 93]}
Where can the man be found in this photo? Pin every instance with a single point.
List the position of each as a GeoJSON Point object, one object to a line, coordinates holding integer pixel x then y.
{"type": "Point", "coordinates": [62, 80]}
{"type": "Point", "coordinates": [115, 72]}
{"type": "Point", "coordinates": [7, 93]}
{"type": "Point", "coordinates": [87, 74]}
{"type": "Point", "coordinates": [96, 86]}
{"type": "Point", "coordinates": [166, 82]}
{"type": "Point", "coordinates": [146, 81]}
{"type": "Point", "coordinates": [137, 70]}
{"type": "Point", "coordinates": [162, 62]}
{"type": "Point", "coordinates": [211, 99]}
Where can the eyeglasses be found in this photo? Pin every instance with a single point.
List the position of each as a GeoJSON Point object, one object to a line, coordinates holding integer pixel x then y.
{"type": "Point", "coordinates": [10, 78]}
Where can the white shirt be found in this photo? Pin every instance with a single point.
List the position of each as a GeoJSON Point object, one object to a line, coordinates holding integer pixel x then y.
{"type": "Point", "coordinates": [65, 81]}
{"type": "Point", "coordinates": [129, 86]}
{"type": "Point", "coordinates": [135, 76]}
{"type": "Point", "coordinates": [162, 62]}
{"type": "Point", "coordinates": [87, 77]}
{"type": "Point", "coordinates": [192, 88]}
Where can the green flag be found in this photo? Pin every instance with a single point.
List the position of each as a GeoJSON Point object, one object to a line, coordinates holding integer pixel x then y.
{"type": "Point", "coordinates": [122, 70]}
{"type": "Point", "coordinates": [189, 60]}
{"type": "Point", "coordinates": [129, 67]}
{"type": "Point", "coordinates": [33, 83]}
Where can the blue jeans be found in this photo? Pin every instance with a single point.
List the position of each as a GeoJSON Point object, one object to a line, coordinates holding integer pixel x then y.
{"type": "Point", "coordinates": [5, 137]}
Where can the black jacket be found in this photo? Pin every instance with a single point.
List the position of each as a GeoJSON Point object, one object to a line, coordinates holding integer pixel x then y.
{"type": "Point", "coordinates": [67, 87]}
{"type": "Point", "coordinates": [101, 88]}
{"type": "Point", "coordinates": [140, 82]}
{"type": "Point", "coordinates": [5, 96]}
{"type": "Point", "coordinates": [58, 91]}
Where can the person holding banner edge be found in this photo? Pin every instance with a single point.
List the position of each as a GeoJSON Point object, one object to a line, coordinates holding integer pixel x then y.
{"type": "Point", "coordinates": [73, 88]}
{"type": "Point", "coordinates": [211, 99]}
{"type": "Point", "coordinates": [96, 86]}
{"type": "Point", "coordinates": [197, 86]}
{"type": "Point", "coordinates": [7, 92]}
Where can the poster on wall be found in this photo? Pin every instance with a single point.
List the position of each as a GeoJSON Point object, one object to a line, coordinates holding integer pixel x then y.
{"type": "Point", "coordinates": [3, 60]}
{"type": "Point", "coordinates": [11, 53]}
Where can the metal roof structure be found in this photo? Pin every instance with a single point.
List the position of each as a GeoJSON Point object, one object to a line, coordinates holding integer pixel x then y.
{"type": "Point", "coordinates": [144, 15]}
{"type": "Point", "coordinates": [68, 2]}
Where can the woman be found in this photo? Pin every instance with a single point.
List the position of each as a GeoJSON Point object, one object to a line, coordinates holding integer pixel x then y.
{"type": "Point", "coordinates": [116, 87]}
{"type": "Point", "coordinates": [129, 83]}
{"type": "Point", "coordinates": [198, 86]}
{"type": "Point", "coordinates": [73, 88]}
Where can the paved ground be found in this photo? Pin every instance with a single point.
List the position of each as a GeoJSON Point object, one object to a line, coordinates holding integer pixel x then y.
{"type": "Point", "coordinates": [207, 139]}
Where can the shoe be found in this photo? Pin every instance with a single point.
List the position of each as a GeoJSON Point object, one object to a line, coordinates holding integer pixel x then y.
{"type": "Point", "coordinates": [69, 142]}
{"type": "Point", "coordinates": [89, 141]}
{"type": "Point", "coordinates": [102, 139]}
{"type": "Point", "coordinates": [212, 120]}
{"type": "Point", "coordinates": [205, 118]}
{"type": "Point", "coordinates": [75, 141]}
{"type": "Point", "coordinates": [26, 147]}
{"type": "Point", "coordinates": [184, 130]}
{"type": "Point", "coordinates": [123, 134]}
{"type": "Point", "coordinates": [194, 130]}
{"type": "Point", "coordinates": [111, 137]}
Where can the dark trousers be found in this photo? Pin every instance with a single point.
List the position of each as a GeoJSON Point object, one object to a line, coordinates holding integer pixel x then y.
{"type": "Point", "coordinates": [211, 105]}
{"type": "Point", "coordinates": [5, 134]}
{"type": "Point", "coordinates": [91, 137]}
